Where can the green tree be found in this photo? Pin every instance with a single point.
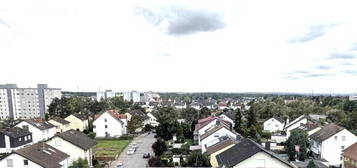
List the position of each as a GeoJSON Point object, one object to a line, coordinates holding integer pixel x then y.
{"type": "Point", "coordinates": [297, 138]}
{"type": "Point", "coordinates": [159, 147]}
{"type": "Point", "coordinates": [135, 122]}
{"type": "Point", "coordinates": [180, 135]}
{"type": "Point", "coordinates": [155, 162]}
{"type": "Point", "coordinates": [80, 163]}
{"type": "Point", "coordinates": [252, 125]}
{"type": "Point", "coordinates": [238, 122]}
{"type": "Point", "coordinates": [197, 159]}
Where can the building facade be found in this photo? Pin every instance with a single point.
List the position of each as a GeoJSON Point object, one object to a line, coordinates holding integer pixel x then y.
{"type": "Point", "coordinates": [26, 103]}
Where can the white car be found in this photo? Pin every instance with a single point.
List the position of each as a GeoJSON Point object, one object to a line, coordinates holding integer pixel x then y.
{"type": "Point", "coordinates": [130, 151]}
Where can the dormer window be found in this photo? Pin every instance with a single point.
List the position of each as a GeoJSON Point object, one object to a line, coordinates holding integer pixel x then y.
{"type": "Point", "coordinates": [105, 120]}
{"type": "Point", "coordinates": [19, 139]}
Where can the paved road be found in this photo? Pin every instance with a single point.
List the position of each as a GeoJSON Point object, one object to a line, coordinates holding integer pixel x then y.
{"type": "Point", "coordinates": [144, 143]}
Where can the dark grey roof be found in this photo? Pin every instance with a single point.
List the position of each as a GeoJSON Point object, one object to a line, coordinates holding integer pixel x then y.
{"type": "Point", "coordinates": [295, 121]}
{"type": "Point", "coordinates": [39, 123]}
{"type": "Point", "coordinates": [60, 120]}
{"type": "Point", "coordinates": [80, 116]}
{"type": "Point", "coordinates": [77, 138]}
{"type": "Point", "coordinates": [15, 132]}
{"type": "Point", "coordinates": [326, 132]}
{"type": "Point", "coordinates": [242, 151]}
{"type": "Point", "coordinates": [43, 154]}
{"type": "Point", "coordinates": [223, 143]}
{"type": "Point", "coordinates": [310, 125]}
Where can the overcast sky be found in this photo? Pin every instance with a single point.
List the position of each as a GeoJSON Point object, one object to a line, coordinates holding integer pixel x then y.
{"type": "Point", "coordinates": [191, 46]}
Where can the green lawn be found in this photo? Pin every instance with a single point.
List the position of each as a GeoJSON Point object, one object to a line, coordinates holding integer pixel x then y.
{"type": "Point", "coordinates": [110, 148]}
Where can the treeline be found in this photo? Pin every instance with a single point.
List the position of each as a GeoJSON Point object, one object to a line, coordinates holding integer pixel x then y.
{"type": "Point", "coordinates": [63, 107]}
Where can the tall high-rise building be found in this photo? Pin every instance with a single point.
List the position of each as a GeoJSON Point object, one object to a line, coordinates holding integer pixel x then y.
{"type": "Point", "coordinates": [105, 94]}
{"type": "Point", "coordinates": [25, 103]}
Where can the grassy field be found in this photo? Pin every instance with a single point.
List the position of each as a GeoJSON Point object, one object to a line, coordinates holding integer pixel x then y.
{"type": "Point", "coordinates": [110, 148]}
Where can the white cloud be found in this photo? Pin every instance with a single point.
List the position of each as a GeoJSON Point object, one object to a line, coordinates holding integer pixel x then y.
{"type": "Point", "coordinates": [107, 44]}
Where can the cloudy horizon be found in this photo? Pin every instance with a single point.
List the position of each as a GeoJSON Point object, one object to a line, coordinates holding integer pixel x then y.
{"type": "Point", "coordinates": [180, 46]}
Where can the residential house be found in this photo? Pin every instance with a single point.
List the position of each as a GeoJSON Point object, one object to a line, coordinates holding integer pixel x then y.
{"type": "Point", "coordinates": [310, 127]}
{"type": "Point", "coordinates": [14, 138]}
{"type": "Point", "coordinates": [294, 124]}
{"type": "Point", "coordinates": [196, 105]}
{"type": "Point", "coordinates": [205, 124]}
{"type": "Point", "coordinates": [74, 143]}
{"type": "Point", "coordinates": [39, 155]}
{"type": "Point", "coordinates": [274, 124]}
{"type": "Point", "coordinates": [222, 106]}
{"type": "Point", "coordinates": [228, 116]}
{"type": "Point", "coordinates": [61, 124]}
{"type": "Point", "coordinates": [248, 153]}
{"type": "Point", "coordinates": [109, 124]}
{"type": "Point", "coordinates": [218, 148]}
{"type": "Point", "coordinates": [350, 157]}
{"type": "Point", "coordinates": [212, 136]}
{"type": "Point", "coordinates": [41, 130]}
{"type": "Point", "coordinates": [329, 142]}
{"type": "Point", "coordinates": [151, 120]}
{"type": "Point", "coordinates": [180, 105]}
{"type": "Point", "coordinates": [77, 121]}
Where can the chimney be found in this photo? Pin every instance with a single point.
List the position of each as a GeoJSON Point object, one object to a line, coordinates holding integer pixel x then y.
{"type": "Point", "coordinates": [287, 121]}
{"type": "Point", "coordinates": [267, 145]}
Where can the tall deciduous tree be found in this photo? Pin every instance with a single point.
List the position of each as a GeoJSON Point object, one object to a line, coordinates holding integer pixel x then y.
{"type": "Point", "coordinates": [238, 122]}
{"type": "Point", "coordinates": [159, 147]}
{"type": "Point", "coordinates": [197, 159]}
{"type": "Point", "coordinates": [297, 140]}
{"type": "Point", "coordinates": [135, 122]}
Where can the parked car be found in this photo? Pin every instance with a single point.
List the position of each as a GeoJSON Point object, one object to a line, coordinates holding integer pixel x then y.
{"type": "Point", "coordinates": [119, 165]}
{"type": "Point", "coordinates": [146, 155]}
{"type": "Point", "coordinates": [130, 151]}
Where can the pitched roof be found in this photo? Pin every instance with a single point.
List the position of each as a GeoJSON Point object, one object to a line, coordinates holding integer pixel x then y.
{"type": "Point", "coordinates": [277, 118]}
{"type": "Point", "coordinates": [351, 152]}
{"type": "Point", "coordinates": [39, 123]}
{"type": "Point", "coordinates": [15, 132]}
{"type": "Point", "coordinates": [242, 151]}
{"type": "Point", "coordinates": [205, 121]}
{"type": "Point", "coordinates": [77, 138]}
{"type": "Point", "coordinates": [326, 132]}
{"type": "Point", "coordinates": [60, 120]}
{"type": "Point", "coordinates": [307, 127]}
{"type": "Point", "coordinates": [220, 145]}
{"type": "Point", "coordinates": [215, 129]}
{"type": "Point", "coordinates": [295, 121]}
{"type": "Point", "coordinates": [43, 154]}
{"type": "Point", "coordinates": [80, 116]}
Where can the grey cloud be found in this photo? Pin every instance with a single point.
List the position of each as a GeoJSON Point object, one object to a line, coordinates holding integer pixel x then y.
{"type": "Point", "coordinates": [183, 21]}
{"type": "Point", "coordinates": [323, 67]}
{"type": "Point", "coordinates": [314, 75]}
{"type": "Point", "coordinates": [305, 74]}
{"type": "Point", "coordinates": [350, 72]}
{"type": "Point", "coordinates": [313, 32]}
{"type": "Point", "coordinates": [341, 56]}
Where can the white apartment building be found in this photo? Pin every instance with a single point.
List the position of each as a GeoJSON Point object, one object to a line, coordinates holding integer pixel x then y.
{"type": "Point", "coordinates": [105, 94]}
{"type": "Point", "coordinates": [26, 103]}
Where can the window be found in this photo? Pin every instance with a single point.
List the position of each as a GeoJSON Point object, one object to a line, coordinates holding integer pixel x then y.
{"type": "Point", "coordinates": [10, 163]}
{"type": "Point", "coordinates": [343, 138]}
{"type": "Point", "coordinates": [335, 138]}
{"type": "Point", "coordinates": [26, 162]}
{"type": "Point", "coordinates": [25, 127]}
{"type": "Point", "coordinates": [260, 163]}
{"type": "Point", "coordinates": [106, 126]}
{"type": "Point", "coordinates": [342, 147]}
{"type": "Point", "coordinates": [25, 138]}
{"type": "Point", "coordinates": [20, 139]}
{"type": "Point", "coordinates": [216, 135]}
{"type": "Point", "coordinates": [105, 120]}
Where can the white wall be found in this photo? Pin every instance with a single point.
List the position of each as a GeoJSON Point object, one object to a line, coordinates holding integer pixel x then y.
{"type": "Point", "coordinates": [273, 125]}
{"type": "Point", "coordinates": [289, 129]}
{"type": "Point", "coordinates": [207, 127]}
{"type": "Point", "coordinates": [37, 134]}
{"type": "Point", "coordinates": [331, 149]}
{"type": "Point", "coordinates": [114, 127]}
{"type": "Point", "coordinates": [224, 117]}
{"type": "Point", "coordinates": [18, 162]}
{"type": "Point", "coordinates": [214, 138]}
{"type": "Point", "coordinates": [73, 151]}
{"type": "Point", "coordinates": [261, 159]}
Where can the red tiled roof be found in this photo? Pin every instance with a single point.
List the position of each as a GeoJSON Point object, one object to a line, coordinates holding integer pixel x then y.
{"type": "Point", "coordinates": [114, 113]}
{"type": "Point", "coordinates": [351, 152]}
{"type": "Point", "coordinates": [203, 122]}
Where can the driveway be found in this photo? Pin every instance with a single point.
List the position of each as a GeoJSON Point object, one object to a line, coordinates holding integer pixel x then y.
{"type": "Point", "coordinates": [144, 143]}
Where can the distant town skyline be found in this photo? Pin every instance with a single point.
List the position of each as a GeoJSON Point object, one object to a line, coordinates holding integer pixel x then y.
{"type": "Point", "coordinates": [180, 46]}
